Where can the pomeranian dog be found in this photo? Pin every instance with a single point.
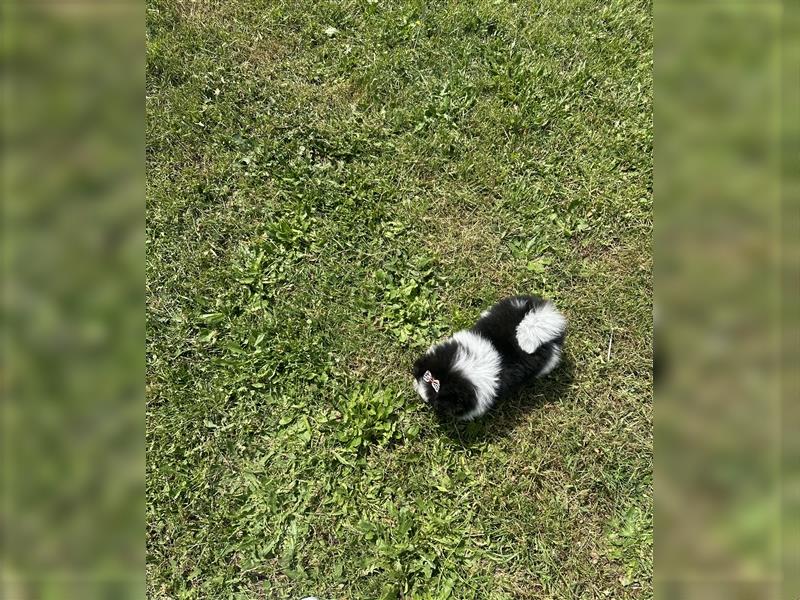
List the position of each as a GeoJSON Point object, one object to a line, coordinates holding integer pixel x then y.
{"type": "Point", "coordinates": [516, 340]}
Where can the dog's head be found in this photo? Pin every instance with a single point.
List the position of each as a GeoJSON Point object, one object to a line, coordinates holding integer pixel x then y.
{"type": "Point", "coordinates": [445, 388]}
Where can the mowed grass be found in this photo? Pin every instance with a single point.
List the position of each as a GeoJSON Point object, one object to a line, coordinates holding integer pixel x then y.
{"type": "Point", "coordinates": [332, 186]}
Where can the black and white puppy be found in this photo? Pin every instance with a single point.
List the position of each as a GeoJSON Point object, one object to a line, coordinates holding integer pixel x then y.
{"type": "Point", "coordinates": [516, 340]}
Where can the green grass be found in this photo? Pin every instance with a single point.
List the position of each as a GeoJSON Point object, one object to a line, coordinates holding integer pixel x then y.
{"type": "Point", "coordinates": [332, 186]}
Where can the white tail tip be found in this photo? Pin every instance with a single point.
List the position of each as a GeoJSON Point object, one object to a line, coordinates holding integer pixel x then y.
{"type": "Point", "coordinates": [540, 326]}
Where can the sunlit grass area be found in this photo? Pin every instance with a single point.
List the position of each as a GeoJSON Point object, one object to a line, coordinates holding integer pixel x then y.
{"type": "Point", "coordinates": [332, 186]}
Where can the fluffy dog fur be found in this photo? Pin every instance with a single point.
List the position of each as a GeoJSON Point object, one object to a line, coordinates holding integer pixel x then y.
{"type": "Point", "coordinates": [516, 340]}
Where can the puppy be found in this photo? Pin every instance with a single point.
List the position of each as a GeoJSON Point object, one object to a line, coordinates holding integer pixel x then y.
{"type": "Point", "coordinates": [516, 340]}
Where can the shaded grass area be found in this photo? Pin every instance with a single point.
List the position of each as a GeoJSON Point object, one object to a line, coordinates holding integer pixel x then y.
{"type": "Point", "coordinates": [332, 187]}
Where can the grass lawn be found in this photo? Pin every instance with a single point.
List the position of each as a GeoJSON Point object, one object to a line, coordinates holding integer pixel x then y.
{"type": "Point", "coordinates": [332, 186]}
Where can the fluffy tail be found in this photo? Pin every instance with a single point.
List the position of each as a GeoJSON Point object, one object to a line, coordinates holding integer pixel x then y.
{"type": "Point", "coordinates": [539, 326]}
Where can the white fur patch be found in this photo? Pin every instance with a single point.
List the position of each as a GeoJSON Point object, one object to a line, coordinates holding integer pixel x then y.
{"type": "Point", "coordinates": [552, 362]}
{"type": "Point", "coordinates": [419, 387]}
{"type": "Point", "coordinates": [539, 326]}
{"type": "Point", "coordinates": [478, 361]}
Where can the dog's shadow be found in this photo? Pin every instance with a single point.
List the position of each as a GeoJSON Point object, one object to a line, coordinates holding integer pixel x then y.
{"type": "Point", "coordinates": [510, 411]}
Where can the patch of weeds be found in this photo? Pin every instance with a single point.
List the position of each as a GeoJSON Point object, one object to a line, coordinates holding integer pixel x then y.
{"type": "Point", "coordinates": [406, 298]}
{"type": "Point", "coordinates": [402, 550]}
{"type": "Point", "coordinates": [630, 543]}
{"type": "Point", "coordinates": [370, 418]}
{"type": "Point", "coordinates": [294, 233]}
{"type": "Point", "coordinates": [263, 266]}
